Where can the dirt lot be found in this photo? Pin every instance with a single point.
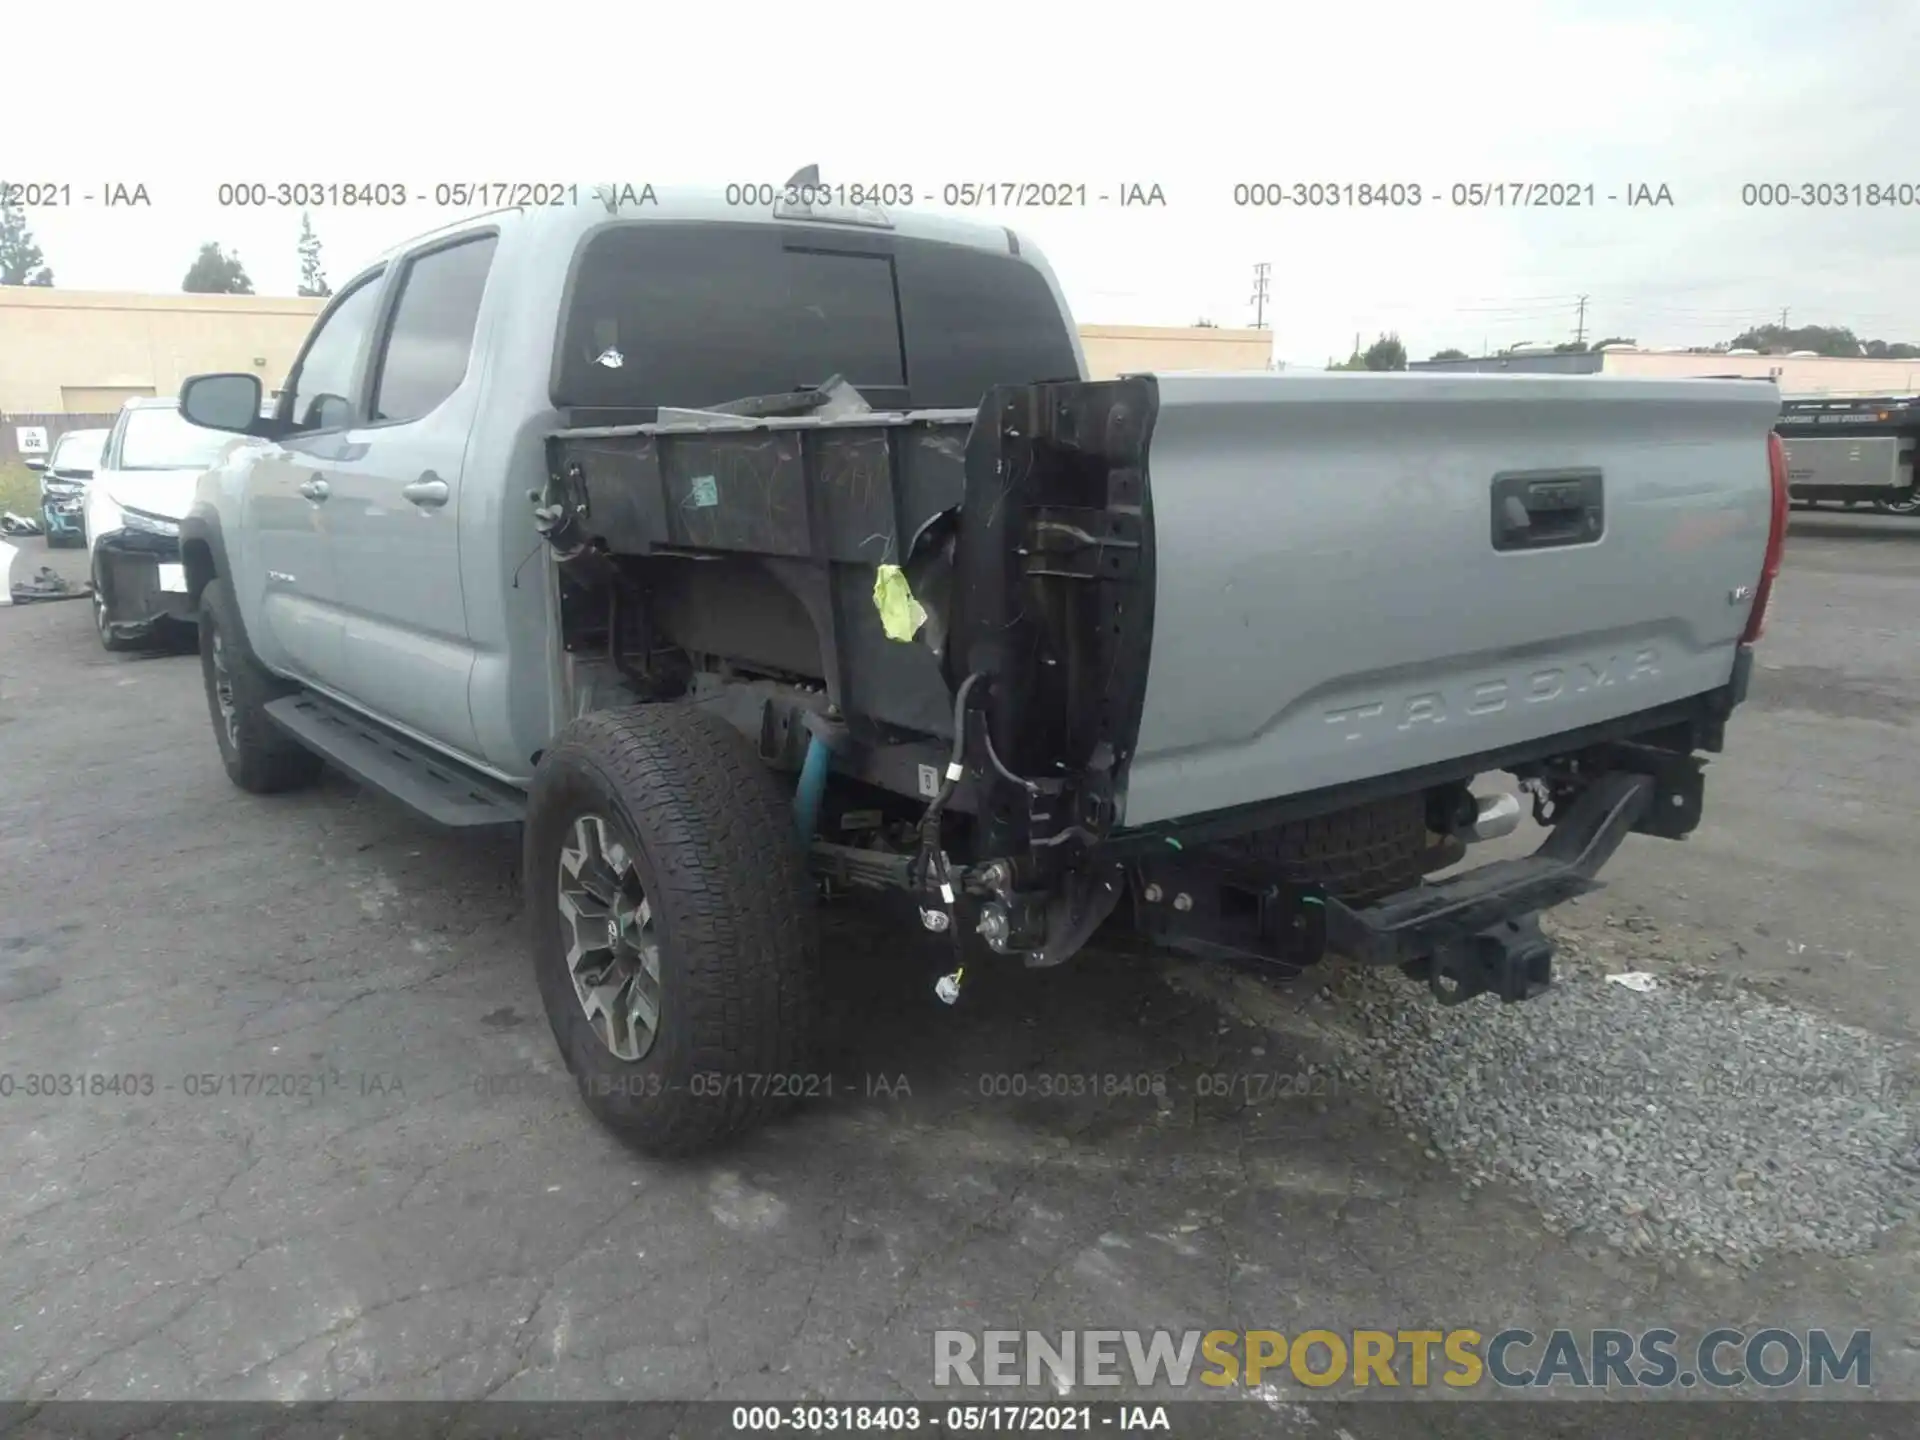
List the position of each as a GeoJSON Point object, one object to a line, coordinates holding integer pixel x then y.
{"type": "Point", "coordinates": [426, 1211]}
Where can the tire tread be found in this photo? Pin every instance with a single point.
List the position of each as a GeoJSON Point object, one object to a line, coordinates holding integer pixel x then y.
{"type": "Point", "coordinates": [730, 884]}
{"type": "Point", "coordinates": [267, 761]}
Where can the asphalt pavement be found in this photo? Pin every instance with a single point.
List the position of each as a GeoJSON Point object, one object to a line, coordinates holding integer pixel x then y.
{"type": "Point", "coordinates": [320, 1144]}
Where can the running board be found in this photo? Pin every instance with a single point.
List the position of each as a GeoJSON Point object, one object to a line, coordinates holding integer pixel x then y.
{"type": "Point", "coordinates": [424, 780]}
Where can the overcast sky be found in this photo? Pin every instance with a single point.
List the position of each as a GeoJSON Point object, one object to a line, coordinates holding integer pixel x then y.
{"type": "Point", "coordinates": [1702, 97]}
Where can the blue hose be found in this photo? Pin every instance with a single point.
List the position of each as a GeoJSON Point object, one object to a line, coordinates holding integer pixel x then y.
{"type": "Point", "coordinates": [813, 786]}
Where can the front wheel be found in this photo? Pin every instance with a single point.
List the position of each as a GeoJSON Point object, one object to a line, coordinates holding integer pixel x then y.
{"type": "Point", "coordinates": [257, 754]}
{"type": "Point", "coordinates": [674, 941]}
{"type": "Point", "coordinates": [103, 623]}
{"type": "Point", "coordinates": [1907, 504]}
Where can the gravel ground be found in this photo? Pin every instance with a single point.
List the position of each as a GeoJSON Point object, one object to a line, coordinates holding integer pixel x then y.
{"type": "Point", "coordinates": [1695, 1119]}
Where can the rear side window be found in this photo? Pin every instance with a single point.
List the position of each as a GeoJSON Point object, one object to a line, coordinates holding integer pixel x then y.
{"type": "Point", "coordinates": [694, 315]}
{"type": "Point", "coordinates": [431, 336]}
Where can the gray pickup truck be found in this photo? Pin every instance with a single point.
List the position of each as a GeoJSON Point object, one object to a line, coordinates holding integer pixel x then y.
{"type": "Point", "coordinates": [747, 557]}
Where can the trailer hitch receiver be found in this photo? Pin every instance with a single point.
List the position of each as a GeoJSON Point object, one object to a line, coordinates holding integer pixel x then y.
{"type": "Point", "coordinates": [1513, 959]}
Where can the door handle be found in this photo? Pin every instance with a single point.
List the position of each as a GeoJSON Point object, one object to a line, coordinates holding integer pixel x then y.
{"type": "Point", "coordinates": [314, 489]}
{"type": "Point", "coordinates": [429, 490]}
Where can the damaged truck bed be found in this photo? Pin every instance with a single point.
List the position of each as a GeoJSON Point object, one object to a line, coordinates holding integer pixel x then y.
{"type": "Point", "coordinates": [1211, 659]}
{"type": "Point", "coordinates": [1063, 697]}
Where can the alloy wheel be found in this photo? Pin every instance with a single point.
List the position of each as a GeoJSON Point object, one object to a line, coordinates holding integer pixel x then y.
{"type": "Point", "coordinates": [613, 951]}
{"type": "Point", "coordinates": [223, 691]}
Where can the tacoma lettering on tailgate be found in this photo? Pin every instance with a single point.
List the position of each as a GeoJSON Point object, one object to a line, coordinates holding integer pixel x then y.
{"type": "Point", "coordinates": [1490, 696]}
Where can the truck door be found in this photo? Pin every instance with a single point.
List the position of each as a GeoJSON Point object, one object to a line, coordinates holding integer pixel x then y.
{"type": "Point", "coordinates": [282, 570]}
{"type": "Point", "coordinates": [394, 507]}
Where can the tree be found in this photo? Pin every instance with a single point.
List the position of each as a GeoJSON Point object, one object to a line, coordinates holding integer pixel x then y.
{"type": "Point", "coordinates": [214, 272]}
{"type": "Point", "coordinates": [1450, 354]}
{"type": "Point", "coordinates": [1206, 324]}
{"type": "Point", "coordinates": [313, 280]}
{"type": "Point", "coordinates": [1386, 353]}
{"type": "Point", "coordinates": [1570, 347]}
{"type": "Point", "coordinates": [21, 262]}
{"type": "Point", "coordinates": [1821, 339]}
{"type": "Point", "coordinates": [1613, 340]}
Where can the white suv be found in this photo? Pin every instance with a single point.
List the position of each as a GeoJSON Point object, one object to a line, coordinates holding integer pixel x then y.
{"type": "Point", "coordinates": [142, 487]}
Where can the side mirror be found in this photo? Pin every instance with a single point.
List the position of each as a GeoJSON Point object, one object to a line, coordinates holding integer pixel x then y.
{"type": "Point", "coordinates": [34, 462]}
{"type": "Point", "coordinates": [223, 402]}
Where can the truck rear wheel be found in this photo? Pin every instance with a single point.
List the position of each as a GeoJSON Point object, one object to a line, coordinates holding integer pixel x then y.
{"type": "Point", "coordinates": [674, 940]}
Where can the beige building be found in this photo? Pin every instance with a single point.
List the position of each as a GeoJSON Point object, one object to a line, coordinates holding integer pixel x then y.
{"type": "Point", "coordinates": [83, 352]}
{"type": "Point", "coordinates": [1116, 349]}
{"type": "Point", "coordinates": [78, 352]}
{"type": "Point", "coordinates": [1795, 375]}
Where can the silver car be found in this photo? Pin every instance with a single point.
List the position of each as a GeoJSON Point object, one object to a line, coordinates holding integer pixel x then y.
{"type": "Point", "coordinates": [141, 488]}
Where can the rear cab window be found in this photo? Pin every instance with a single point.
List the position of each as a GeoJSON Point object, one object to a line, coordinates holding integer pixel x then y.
{"type": "Point", "coordinates": [694, 314]}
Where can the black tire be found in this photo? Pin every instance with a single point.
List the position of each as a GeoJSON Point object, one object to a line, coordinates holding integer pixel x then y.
{"type": "Point", "coordinates": [735, 943]}
{"type": "Point", "coordinates": [258, 755]}
{"type": "Point", "coordinates": [116, 644]}
{"type": "Point", "coordinates": [1356, 855]}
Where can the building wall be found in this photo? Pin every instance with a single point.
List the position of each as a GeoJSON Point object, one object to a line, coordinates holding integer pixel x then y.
{"type": "Point", "coordinates": [1806, 375]}
{"type": "Point", "coordinates": [1584, 363]}
{"type": "Point", "coordinates": [77, 351]}
{"type": "Point", "coordinates": [1115, 349]}
{"type": "Point", "coordinates": [1802, 375]}
{"type": "Point", "coordinates": [81, 350]}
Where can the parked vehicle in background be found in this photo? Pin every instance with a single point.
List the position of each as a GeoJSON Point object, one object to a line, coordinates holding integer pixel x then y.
{"type": "Point", "coordinates": [1853, 451]}
{"type": "Point", "coordinates": [134, 503]}
{"type": "Point", "coordinates": [64, 475]}
{"type": "Point", "coordinates": [745, 556]}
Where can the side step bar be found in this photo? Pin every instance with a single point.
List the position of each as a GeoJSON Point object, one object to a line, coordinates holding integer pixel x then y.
{"type": "Point", "coordinates": [442, 790]}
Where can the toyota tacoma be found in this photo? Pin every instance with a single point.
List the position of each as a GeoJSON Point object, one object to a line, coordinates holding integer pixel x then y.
{"type": "Point", "coordinates": [748, 557]}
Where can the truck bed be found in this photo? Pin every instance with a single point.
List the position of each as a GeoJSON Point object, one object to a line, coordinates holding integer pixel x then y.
{"type": "Point", "coordinates": [1243, 586]}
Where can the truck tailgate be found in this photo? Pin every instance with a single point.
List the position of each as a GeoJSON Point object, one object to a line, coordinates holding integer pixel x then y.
{"type": "Point", "coordinates": [1344, 586]}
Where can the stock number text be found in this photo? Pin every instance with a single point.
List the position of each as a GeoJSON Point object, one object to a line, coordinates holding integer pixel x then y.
{"type": "Point", "coordinates": [310, 194]}
{"type": "Point", "coordinates": [1272, 194]}
{"type": "Point", "coordinates": [1820, 195]}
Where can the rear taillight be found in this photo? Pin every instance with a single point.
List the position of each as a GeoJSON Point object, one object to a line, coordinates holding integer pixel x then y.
{"type": "Point", "coordinates": [1776, 540]}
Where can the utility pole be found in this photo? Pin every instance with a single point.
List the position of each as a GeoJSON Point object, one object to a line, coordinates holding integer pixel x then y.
{"type": "Point", "coordinates": [1260, 295]}
{"type": "Point", "coordinates": [1783, 317]}
{"type": "Point", "coordinates": [1580, 323]}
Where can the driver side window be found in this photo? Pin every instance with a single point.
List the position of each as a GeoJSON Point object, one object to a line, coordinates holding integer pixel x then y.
{"type": "Point", "coordinates": [322, 389]}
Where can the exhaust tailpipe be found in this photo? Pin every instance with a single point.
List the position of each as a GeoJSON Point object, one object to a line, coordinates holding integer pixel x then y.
{"type": "Point", "coordinates": [1497, 815]}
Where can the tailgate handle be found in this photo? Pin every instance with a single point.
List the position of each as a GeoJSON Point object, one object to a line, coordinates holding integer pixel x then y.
{"type": "Point", "coordinates": [1540, 509]}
